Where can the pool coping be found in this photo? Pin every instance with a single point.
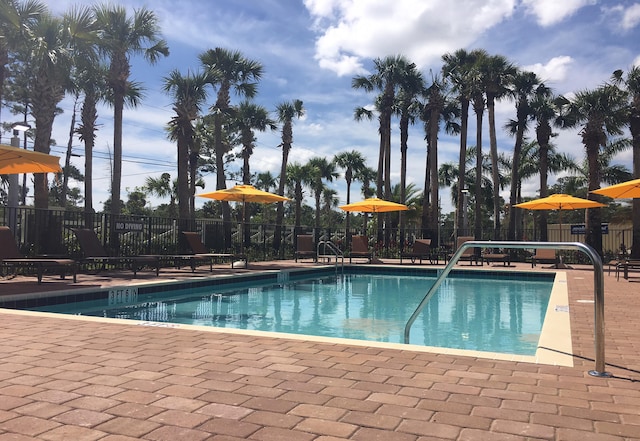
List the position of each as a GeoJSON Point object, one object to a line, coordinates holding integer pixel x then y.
{"type": "Point", "coordinates": [554, 346]}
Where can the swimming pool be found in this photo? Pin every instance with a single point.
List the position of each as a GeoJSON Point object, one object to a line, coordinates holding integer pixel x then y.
{"type": "Point", "coordinates": [479, 311]}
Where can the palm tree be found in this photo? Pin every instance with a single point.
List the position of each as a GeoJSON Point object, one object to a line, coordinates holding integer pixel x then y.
{"type": "Point", "coordinates": [545, 108]}
{"type": "Point", "coordinates": [228, 70]}
{"type": "Point", "coordinates": [353, 163]}
{"type": "Point", "coordinates": [436, 108]}
{"type": "Point", "coordinates": [286, 111]}
{"type": "Point", "coordinates": [164, 187]}
{"type": "Point", "coordinates": [523, 89]}
{"type": "Point", "coordinates": [16, 20]}
{"type": "Point", "coordinates": [600, 113]}
{"type": "Point", "coordinates": [248, 117]}
{"type": "Point", "coordinates": [390, 73]}
{"type": "Point", "coordinates": [52, 59]}
{"type": "Point", "coordinates": [631, 84]}
{"type": "Point", "coordinates": [496, 74]}
{"type": "Point", "coordinates": [460, 71]}
{"type": "Point", "coordinates": [329, 196]}
{"type": "Point", "coordinates": [188, 94]}
{"type": "Point", "coordinates": [319, 170]}
{"type": "Point", "coordinates": [121, 37]}
{"type": "Point", "coordinates": [266, 181]}
{"type": "Point", "coordinates": [366, 175]}
{"type": "Point", "coordinates": [297, 175]}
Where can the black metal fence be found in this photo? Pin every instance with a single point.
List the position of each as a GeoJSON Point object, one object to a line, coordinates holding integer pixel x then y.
{"type": "Point", "coordinates": [49, 232]}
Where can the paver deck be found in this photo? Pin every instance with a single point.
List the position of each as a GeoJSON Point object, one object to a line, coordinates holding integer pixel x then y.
{"type": "Point", "coordinates": [67, 378]}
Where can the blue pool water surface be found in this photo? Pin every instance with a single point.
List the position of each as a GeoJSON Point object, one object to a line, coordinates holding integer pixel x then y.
{"type": "Point", "coordinates": [486, 314]}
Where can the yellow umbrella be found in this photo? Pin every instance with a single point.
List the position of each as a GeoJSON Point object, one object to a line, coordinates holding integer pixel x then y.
{"type": "Point", "coordinates": [629, 189]}
{"type": "Point", "coordinates": [374, 205]}
{"type": "Point", "coordinates": [559, 202]}
{"type": "Point", "coordinates": [244, 193]}
{"type": "Point", "coordinates": [15, 160]}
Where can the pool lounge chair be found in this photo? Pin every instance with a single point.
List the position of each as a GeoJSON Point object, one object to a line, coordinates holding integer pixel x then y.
{"type": "Point", "coordinates": [12, 259]}
{"type": "Point", "coordinates": [305, 248]}
{"type": "Point", "coordinates": [545, 255]}
{"type": "Point", "coordinates": [420, 250]}
{"type": "Point", "coordinates": [94, 253]}
{"type": "Point", "coordinates": [200, 253]}
{"type": "Point", "coordinates": [360, 248]}
{"type": "Point", "coordinates": [468, 254]}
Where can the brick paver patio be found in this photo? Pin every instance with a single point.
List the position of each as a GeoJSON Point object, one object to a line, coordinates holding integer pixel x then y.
{"type": "Point", "coordinates": [75, 379]}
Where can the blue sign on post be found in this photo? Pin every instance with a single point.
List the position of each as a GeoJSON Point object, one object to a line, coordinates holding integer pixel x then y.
{"type": "Point", "coordinates": [581, 229]}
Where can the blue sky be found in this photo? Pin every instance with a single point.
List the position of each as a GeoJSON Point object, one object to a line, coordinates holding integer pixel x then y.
{"type": "Point", "coordinates": [311, 50]}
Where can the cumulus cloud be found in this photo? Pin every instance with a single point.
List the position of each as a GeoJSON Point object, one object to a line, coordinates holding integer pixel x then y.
{"type": "Point", "coordinates": [631, 17]}
{"type": "Point", "coordinates": [555, 70]}
{"type": "Point", "coordinates": [350, 31]}
{"type": "Point", "coordinates": [550, 12]}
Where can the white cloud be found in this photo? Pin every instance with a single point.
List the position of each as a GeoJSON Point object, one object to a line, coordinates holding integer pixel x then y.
{"type": "Point", "coordinates": [550, 12]}
{"type": "Point", "coordinates": [555, 70]}
{"type": "Point", "coordinates": [631, 17]}
{"type": "Point", "coordinates": [354, 30]}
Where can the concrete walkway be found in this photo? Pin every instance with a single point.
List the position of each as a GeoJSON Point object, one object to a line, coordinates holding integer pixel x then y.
{"type": "Point", "coordinates": [71, 378]}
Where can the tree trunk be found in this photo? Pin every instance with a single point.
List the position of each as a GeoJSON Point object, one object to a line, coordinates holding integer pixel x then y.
{"type": "Point", "coordinates": [462, 163]}
{"type": "Point", "coordinates": [495, 175]}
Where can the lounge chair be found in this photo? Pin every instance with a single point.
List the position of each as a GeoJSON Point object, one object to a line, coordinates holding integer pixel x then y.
{"type": "Point", "coordinates": [200, 253]}
{"type": "Point", "coordinates": [11, 258]}
{"type": "Point", "coordinates": [545, 255]}
{"type": "Point", "coordinates": [94, 253]}
{"type": "Point", "coordinates": [421, 249]}
{"type": "Point", "coordinates": [505, 258]}
{"type": "Point", "coordinates": [468, 254]}
{"type": "Point", "coordinates": [360, 248]}
{"type": "Point", "coordinates": [305, 248]}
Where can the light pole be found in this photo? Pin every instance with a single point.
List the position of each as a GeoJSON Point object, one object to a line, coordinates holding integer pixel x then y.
{"type": "Point", "coordinates": [13, 195]}
{"type": "Point", "coordinates": [465, 214]}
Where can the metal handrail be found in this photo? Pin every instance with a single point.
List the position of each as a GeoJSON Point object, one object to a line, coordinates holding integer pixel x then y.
{"type": "Point", "coordinates": [336, 251]}
{"type": "Point", "coordinates": [598, 282]}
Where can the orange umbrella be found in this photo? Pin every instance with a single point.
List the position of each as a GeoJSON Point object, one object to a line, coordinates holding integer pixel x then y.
{"type": "Point", "coordinates": [15, 160]}
{"type": "Point", "coordinates": [374, 205]}
{"type": "Point", "coordinates": [629, 189]}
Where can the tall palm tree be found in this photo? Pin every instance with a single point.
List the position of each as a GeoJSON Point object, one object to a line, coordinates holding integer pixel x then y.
{"type": "Point", "coordinates": [437, 107]}
{"type": "Point", "coordinates": [248, 117]}
{"type": "Point", "coordinates": [188, 94]}
{"type": "Point", "coordinates": [353, 163]}
{"type": "Point", "coordinates": [631, 83]}
{"type": "Point", "coordinates": [122, 36]}
{"type": "Point", "coordinates": [390, 73]}
{"type": "Point", "coordinates": [297, 175]}
{"type": "Point", "coordinates": [52, 43]}
{"type": "Point", "coordinates": [164, 187]}
{"type": "Point", "coordinates": [320, 169]}
{"type": "Point", "coordinates": [286, 112]}
{"type": "Point", "coordinates": [545, 108]}
{"type": "Point", "coordinates": [523, 89]}
{"type": "Point", "coordinates": [496, 74]}
{"type": "Point", "coordinates": [460, 71]}
{"type": "Point", "coordinates": [228, 70]}
{"type": "Point", "coordinates": [601, 113]}
{"type": "Point", "coordinates": [16, 21]}
{"type": "Point", "coordinates": [329, 196]}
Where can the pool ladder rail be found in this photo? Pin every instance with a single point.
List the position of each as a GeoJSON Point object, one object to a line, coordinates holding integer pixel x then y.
{"type": "Point", "coordinates": [598, 287]}
{"type": "Point", "coordinates": [334, 250]}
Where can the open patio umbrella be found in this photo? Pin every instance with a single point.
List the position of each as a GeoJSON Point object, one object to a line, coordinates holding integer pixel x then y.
{"type": "Point", "coordinates": [244, 193]}
{"type": "Point", "coordinates": [374, 205]}
{"type": "Point", "coordinates": [559, 202]}
{"type": "Point", "coordinates": [15, 160]}
{"type": "Point", "coordinates": [624, 190]}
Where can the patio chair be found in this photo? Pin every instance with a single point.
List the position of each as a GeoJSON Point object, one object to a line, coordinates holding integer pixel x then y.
{"type": "Point", "coordinates": [200, 253]}
{"type": "Point", "coordinates": [421, 249]}
{"type": "Point", "coordinates": [360, 248]}
{"type": "Point", "coordinates": [305, 248]}
{"type": "Point", "coordinates": [11, 258]}
{"type": "Point", "coordinates": [468, 254]}
{"type": "Point", "coordinates": [545, 255]}
{"type": "Point", "coordinates": [94, 253]}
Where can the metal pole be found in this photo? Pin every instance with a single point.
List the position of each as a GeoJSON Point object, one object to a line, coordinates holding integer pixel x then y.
{"type": "Point", "coordinates": [598, 282]}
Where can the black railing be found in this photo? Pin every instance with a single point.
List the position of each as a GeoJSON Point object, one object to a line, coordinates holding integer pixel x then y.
{"type": "Point", "coordinates": [49, 232]}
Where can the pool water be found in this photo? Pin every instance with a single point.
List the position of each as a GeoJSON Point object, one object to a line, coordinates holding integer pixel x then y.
{"type": "Point", "coordinates": [496, 315]}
